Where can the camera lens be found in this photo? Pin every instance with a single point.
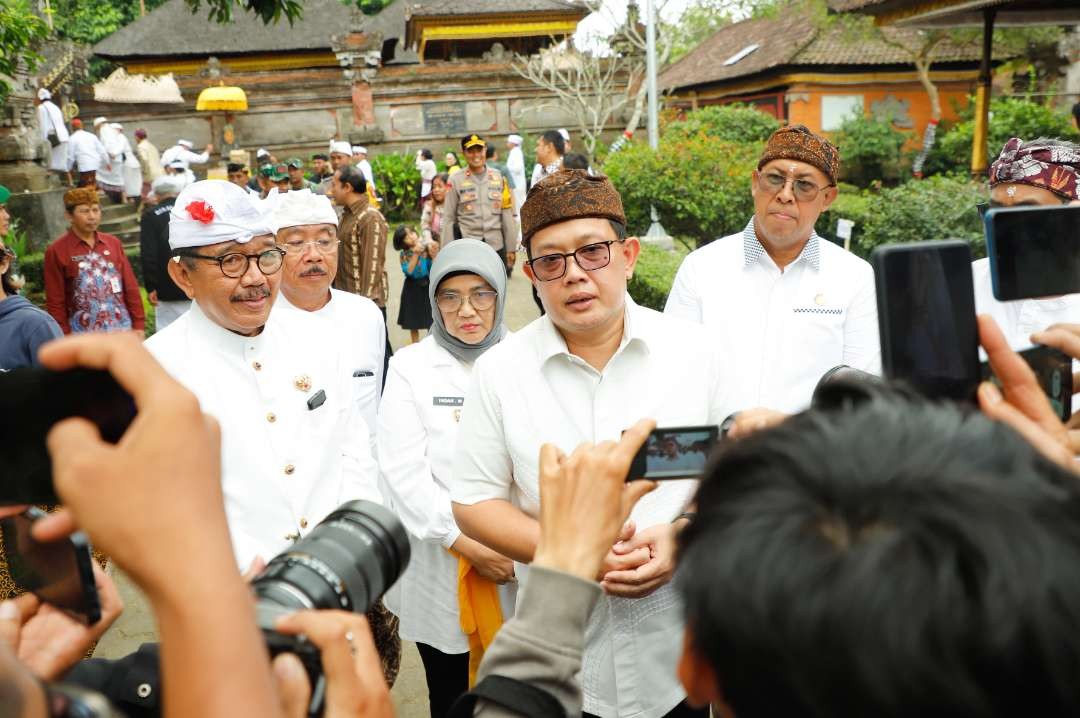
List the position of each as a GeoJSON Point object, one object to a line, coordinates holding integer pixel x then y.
{"type": "Point", "coordinates": [347, 562]}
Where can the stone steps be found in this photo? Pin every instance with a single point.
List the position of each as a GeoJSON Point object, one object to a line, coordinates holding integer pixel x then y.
{"type": "Point", "coordinates": [121, 220]}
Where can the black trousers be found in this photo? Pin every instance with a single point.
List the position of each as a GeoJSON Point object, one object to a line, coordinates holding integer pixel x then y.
{"type": "Point", "coordinates": [680, 711]}
{"type": "Point", "coordinates": [447, 677]}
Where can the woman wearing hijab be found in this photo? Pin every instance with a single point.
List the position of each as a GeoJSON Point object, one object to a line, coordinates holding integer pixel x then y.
{"type": "Point", "coordinates": [455, 592]}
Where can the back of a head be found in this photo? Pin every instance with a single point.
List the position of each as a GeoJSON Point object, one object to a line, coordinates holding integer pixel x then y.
{"type": "Point", "coordinates": [896, 559]}
{"type": "Point", "coordinates": [553, 138]}
{"type": "Point", "coordinates": [575, 161]}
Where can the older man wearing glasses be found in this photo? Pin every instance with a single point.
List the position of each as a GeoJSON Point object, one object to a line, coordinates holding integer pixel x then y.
{"type": "Point", "coordinates": [293, 444]}
{"type": "Point", "coordinates": [593, 365]}
{"type": "Point", "coordinates": [307, 229]}
{"type": "Point", "coordinates": [785, 304]}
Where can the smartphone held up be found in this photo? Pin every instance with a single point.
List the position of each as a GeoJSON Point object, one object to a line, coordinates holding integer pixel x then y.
{"type": "Point", "coordinates": [1034, 252]}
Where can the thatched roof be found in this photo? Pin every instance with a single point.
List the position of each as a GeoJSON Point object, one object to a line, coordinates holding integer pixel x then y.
{"type": "Point", "coordinates": [173, 30]}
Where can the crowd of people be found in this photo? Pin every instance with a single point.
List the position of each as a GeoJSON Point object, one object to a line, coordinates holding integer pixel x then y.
{"type": "Point", "coordinates": [893, 556]}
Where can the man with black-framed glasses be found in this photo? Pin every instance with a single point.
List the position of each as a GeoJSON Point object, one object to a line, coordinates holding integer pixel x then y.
{"type": "Point", "coordinates": [294, 445]}
{"type": "Point", "coordinates": [594, 364]}
{"type": "Point", "coordinates": [785, 304]}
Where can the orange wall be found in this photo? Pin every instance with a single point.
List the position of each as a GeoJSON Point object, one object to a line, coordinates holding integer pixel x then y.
{"type": "Point", "coordinates": [808, 111]}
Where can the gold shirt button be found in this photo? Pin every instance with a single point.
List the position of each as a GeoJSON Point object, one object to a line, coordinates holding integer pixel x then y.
{"type": "Point", "coordinates": [271, 417]}
{"type": "Point", "coordinates": [292, 537]}
{"type": "Point", "coordinates": [256, 365]}
{"type": "Point", "coordinates": [289, 468]}
{"type": "Point", "coordinates": [303, 523]}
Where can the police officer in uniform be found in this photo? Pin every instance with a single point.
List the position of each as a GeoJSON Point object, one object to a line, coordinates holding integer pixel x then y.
{"type": "Point", "coordinates": [479, 204]}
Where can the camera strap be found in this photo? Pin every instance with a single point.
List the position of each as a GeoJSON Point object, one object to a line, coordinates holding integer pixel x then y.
{"type": "Point", "coordinates": [511, 694]}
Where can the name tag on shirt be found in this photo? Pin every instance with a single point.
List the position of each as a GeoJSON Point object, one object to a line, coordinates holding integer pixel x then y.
{"type": "Point", "coordinates": [448, 401]}
{"type": "Point", "coordinates": [115, 283]}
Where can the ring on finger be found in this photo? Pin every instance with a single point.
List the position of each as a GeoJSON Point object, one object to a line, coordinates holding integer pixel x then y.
{"type": "Point", "coordinates": [352, 642]}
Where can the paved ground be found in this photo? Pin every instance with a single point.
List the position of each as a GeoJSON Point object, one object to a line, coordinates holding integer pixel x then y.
{"type": "Point", "coordinates": [136, 624]}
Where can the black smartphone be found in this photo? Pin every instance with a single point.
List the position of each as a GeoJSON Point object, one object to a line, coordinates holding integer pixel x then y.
{"type": "Point", "coordinates": [1053, 369]}
{"type": "Point", "coordinates": [1033, 251]}
{"type": "Point", "coordinates": [926, 317]}
{"type": "Point", "coordinates": [57, 572]}
{"type": "Point", "coordinates": [679, 452]}
{"type": "Point", "coordinates": [33, 400]}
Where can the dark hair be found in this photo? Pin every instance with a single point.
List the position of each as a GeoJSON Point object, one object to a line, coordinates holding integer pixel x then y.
{"type": "Point", "coordinates": [399, 237]}
{"type": "Point", "coordinates": [426, 154]}
{"type": "Point", "coordinates": [1076, 112]}
{"type": "Point", "coordinates": [896, 558]}
{"type": "Point", "coordinates": [489, 151]}
{"type": "Point", "coordinates": [553, 138]}
{"type": "Point", "coordinates": [457, 160]}
{"type": "Point", "coordinates": [321, 156]}
{"type": "Point", "coordinates": [575, 161]}
{"type": "Point", "coordinates": [352, 176]}
{"type": "Point", "coordinates": [234, 167]}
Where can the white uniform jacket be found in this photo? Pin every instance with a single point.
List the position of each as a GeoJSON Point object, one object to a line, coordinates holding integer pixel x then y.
{"type": "Point", "coordinates": [355, 325]}
{"type": "Point", "coordinates": [418, 423]}
{"type": "Point", "coordinates": [284, 465]}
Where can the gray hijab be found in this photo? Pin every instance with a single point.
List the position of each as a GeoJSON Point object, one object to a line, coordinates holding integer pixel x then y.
{"type": "Point", "coordinates": [469, 256]}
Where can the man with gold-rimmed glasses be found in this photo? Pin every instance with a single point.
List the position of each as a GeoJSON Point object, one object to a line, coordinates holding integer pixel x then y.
{"type": "Point", "coordinates": [293, 444]}
{"type": "Point", "coordinates": [785, 304]}
{"type": "Point", "coordinates": [307, 230]}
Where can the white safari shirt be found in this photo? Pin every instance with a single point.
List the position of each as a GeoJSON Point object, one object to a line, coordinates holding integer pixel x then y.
{"type": "Point", "coordinates": [1022, 318]}
{"type": "Point", "coordinates": [529, 390]}
{"type": "Point", "coordinates": [780, 329]}
{"type": "Point", "coordinates": [356, 326]}
{"type": "Point", "coordinates": [418, 429]}
{"type": "Point", "coordinates": [284, 466]}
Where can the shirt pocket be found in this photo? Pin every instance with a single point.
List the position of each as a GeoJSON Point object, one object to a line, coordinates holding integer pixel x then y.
{"type": "Point", "coordinates": [818, 331]}
{"type": "Point", "coordinates": [363, 388]}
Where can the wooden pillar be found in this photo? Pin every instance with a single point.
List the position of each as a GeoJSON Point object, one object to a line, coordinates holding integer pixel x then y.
{"type": "Point", "coordinates": [979, 161]}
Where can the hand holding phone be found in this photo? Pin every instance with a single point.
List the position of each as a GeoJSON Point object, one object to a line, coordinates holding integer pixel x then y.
{"type": "Point", "coordinates": [1053, 371]}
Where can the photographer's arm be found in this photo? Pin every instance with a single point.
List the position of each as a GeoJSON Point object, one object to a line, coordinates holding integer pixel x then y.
{"type": "Point", "coordinates": [159, 513]}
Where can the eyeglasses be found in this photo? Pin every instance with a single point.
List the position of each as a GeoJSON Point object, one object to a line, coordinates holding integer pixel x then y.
{"type": "Point", "coordinates": [480, 300]}
{"type": "Point", "coordinates": [324, 246]}
{"type": "Point", "coordinates": [804, 190]}
{"type": "Point", "coordinates": [591, 257]}
{"type": "Point", "coordinates": [235, 264]}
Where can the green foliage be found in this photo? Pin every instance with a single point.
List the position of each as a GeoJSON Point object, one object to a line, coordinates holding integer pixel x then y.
{"type": "Point", "coordinates": [697, 23]}
{"type": "Point", "coordinates": [151, 313]}
{"type": "Point", "coordinates": [654, 275]}
{"type": "Point", "coordinates": [21, 31]}
{"type": "Point", "coordinates": [870, 148]}
{"type": "Point", "coordinates": [17, 240]}
{"type": "Point", "coordinates": [700, 186]}
{"type": "Point", "coordinates": [731, 123]}
{"type": "Point", "coordinates": [850, 204]}
{"type": "Point", "coordinates": [934, 208]}
{"type": "Point", "coordinates": [1009, 117]}
{"type": "Point", "coordinates": [398, 182]}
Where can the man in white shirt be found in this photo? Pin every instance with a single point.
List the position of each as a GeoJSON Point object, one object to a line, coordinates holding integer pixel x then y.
{"type": "Point", "coordinates": [550, 148]}
{"type": "Point", "coordinates": [361, 161]}
{"type": "Point", "coordinates": [584, 372]}
{"type": "Point", "coordinates": [182, 152]}
{"type": "Point", "coordinates": [785, 304]}
{"type": "Point", "coordinates": [293, 445]}
{"type": "Point", "coordinates": [51, 121]}
{"type": "Point", "coordinates": [86, 154]}
{"type": "Point", "coordinates": [1029, 174]}
{"type": "Point", "coordinates": [110, 177]}
{"type": "Point", "coordinates": [515, 165]}
{"type": "Point", "coordinates": [307, 229]}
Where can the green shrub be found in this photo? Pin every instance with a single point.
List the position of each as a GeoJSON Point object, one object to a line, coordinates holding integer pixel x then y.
{"type": "Point", "coordinates": [850, 204]}
{"type": "Point", "coordinates": [398, 182]}
{"type": "Point", "coordinates": [1009, 117]}
{"type": "Point", "coordinates": [731, 123]}
{"type": "Point", "coordinates": [699, 186]}
{"type": "Point", "coordinates": [654, 275]}
{"type": "Point", "coordinates": [933, 208]}
{"type": "Point", "coordinates": [870, 149]}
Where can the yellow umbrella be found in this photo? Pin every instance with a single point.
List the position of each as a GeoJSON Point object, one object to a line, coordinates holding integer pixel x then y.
{"type": "Point", "coordinates": [222, 97]}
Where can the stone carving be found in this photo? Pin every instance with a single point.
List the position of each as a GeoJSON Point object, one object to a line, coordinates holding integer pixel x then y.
{"type": "Point", "coordinates": [892, 108]}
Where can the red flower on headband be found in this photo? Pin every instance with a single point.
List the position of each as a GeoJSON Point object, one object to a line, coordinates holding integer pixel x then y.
{"type": "Point", "coordinates": [200, 212]}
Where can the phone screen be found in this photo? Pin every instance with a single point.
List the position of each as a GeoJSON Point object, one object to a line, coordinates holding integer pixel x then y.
{"type": "Point", "coordinates": [926, 315]}
{"type": "Point", "coordinates": [57, 572]}
{"type": "Point", "coordinates": [1034, 251]}
{"type": "Point", "coordinates": [675, 453]}
{"type": "Point", "coordinates": [1053, 370]}
{"type": "Point", "coordinates": [31, 401]}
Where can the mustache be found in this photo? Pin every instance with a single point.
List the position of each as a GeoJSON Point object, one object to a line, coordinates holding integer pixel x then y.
{"type": "Point", "coordinates": [251, 295]}
{"type": "Point", "coordinates": [313, 272]}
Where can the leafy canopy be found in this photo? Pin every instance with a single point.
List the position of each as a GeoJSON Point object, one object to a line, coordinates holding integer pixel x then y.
{"type": "Point", "coordinates": [20, 32]}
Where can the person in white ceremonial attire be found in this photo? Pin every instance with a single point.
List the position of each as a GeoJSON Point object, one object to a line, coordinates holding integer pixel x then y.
{"type": "Point", "coordinates": [584, 372]}
{"type": "Point", "coordinates": [293, 446]}
{"type": "Point", "coordinates": [86, 154]}
{"type": "Point", "coordinates": [515, 165]}
{"type": "Point", "coordinates": [53, 130]}
{"type": "Point", "coordinates": [359, 157]}
{"type": "Point", "coordinates": [110, 177]}
{"type": "Point", "coordinates": [183, 153]}
{"type": "Point", "coordinates": [132, 171]}
{"type": "Point", "coordinates": [307, 230]}
{"type": "Point", "coordinates": [785, 304]}
{"type": "Point", "coordinates": [418, 426]}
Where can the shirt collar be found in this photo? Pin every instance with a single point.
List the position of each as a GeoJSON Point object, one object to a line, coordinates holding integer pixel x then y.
{"type": "Point", "coordinates": [358, 206]}
{"type": "Point", "coordinates": [552, 343]}
{"type": "Point", "coordinates": [753, 251]}
{"type": "Point", "coordinates": [221, 337]}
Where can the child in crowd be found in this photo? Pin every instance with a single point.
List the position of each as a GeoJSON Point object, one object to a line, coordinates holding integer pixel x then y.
{"type": "Point", "coordinates": [416, 256]}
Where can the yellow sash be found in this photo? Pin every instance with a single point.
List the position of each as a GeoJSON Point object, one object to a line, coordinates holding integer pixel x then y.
{"type": "Point", "coordinates": [481, 613]}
